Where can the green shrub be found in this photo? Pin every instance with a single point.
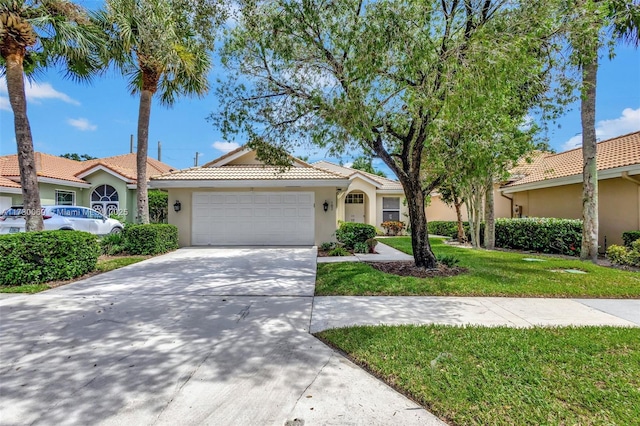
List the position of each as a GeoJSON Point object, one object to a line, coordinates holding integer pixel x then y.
{"type": "Point", "coordinates": [38, 257]}
{"type": "Point", "coordinates": [372, 243]}
{"type": "Point", "coordinates": [444, 228]}
{"type": "Point", "coordinates": [546, 235]}
{"type": "Point", "coordinates": [617, 254]}
{"type": "Point", "coordinates": [338, 251]}
{"type": "Point", "coordinates": [361, 247]}
{"type": "Point", "coordinates": [151, 239]}
{"type": "Point", "coordinates": [112, 244]}
{"type": "Point", "coordinates": [629, 237]}
{"type": "Point", "coordinates": [327, 246]}
{"type": "Point", "coordinates": [158, 206]}
{"type": "Point", "coordinates": [351, 233]}
{"type": "Point", "coordinates": [448, 260]}
{"type": "Point", "coordinates": [449, 228]}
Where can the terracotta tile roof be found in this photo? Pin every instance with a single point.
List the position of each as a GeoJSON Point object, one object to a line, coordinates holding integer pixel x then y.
{"type": "Point", "coordinates": [385, 183]}
{"type": "Point", "coordinates": [249, 172]}
{"type": "Point", "coordinates": [52, 166]}
{"type": "Point", "coordinates": [49, 166]}
{"type": "Point", "coordinates": [613, 153]}
{"type": "Point", "coordinates": [6, 183]}
{"type": "Point", "coordinates": [125, 165]}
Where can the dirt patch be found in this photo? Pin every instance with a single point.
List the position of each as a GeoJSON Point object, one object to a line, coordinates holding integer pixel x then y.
{"type": "Point", "coordinates": [409, 269]}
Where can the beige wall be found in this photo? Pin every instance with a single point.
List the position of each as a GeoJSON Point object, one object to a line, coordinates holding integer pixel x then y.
{"type": "Point", "coordinates": [369, 191]}
{"type": "Point", "coordinates": [404, 211]}
{"type": "Point", "coordinates": [618, 200]}
{"type": "Point", "coordinates": [325, 222]}
{"type": "Point", "coordinates": [438, 210]}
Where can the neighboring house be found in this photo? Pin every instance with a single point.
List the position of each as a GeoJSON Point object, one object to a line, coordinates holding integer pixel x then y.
{"type": "Point", "coordinates": [107, 185]}
{"type": "Point", "coordinates": [551, 186]}
{"type": "Point", "coordinates": [369, 198]}
{"type": "Point", "coordinates": [238, 200]}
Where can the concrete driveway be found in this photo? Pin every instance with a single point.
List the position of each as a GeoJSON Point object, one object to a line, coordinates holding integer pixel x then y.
{"type": "Point", "coordinates": [198, 336]}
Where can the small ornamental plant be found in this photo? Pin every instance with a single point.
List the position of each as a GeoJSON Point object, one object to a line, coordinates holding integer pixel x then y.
{"type": "Point", "coordinates": [393, 227]}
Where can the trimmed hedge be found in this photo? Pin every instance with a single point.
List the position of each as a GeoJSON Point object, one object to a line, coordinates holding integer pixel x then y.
{"type": "Point", "coordinates": [546, 235]}
{"type": "Point", "coordinates": [448, 228]}
{"type": "Point", "coordinates": [151, 239]}
{"type": "Point", "coordinates": [629, 237]}
{"type": "Point", "coordinates": [351, 233]}
{"type": "Point", "coordinates": [38, 257]}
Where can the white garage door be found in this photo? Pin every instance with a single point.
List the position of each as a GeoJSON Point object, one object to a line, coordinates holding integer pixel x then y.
{"type": "Point", "coordinates": [252, 218]}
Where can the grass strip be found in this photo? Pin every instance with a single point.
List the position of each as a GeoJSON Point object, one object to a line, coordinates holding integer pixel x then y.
{"type": "Point", "coordinates": [506, 376]}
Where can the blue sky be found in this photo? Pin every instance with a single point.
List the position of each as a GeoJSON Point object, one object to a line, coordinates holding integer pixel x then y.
{"type": "Point", "coordinates": [98, 118]}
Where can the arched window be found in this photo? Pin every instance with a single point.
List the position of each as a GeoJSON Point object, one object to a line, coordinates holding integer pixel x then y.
{"type": "Point", "coordinates": [104, 199]}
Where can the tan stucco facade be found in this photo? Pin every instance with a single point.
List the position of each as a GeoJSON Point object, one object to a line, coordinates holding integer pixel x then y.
{"type": "Point", "coordinates": [371, 212]}
{"type": "Point", "coordinates": [325, 222]}
{"type": "Point", "coordinates": [618, 201]}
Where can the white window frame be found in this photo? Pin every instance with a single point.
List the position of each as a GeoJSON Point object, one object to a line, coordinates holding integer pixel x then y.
{"type": "Point", "coordinates": [354, 198]}
{"type": "Point", "coordinates": [391, 210]}
{"type": "Point", "coordinates": [73, 197]}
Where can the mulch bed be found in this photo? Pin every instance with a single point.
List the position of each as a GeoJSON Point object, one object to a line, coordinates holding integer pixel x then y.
{"type": "Point", "coordinates": [409, 269]}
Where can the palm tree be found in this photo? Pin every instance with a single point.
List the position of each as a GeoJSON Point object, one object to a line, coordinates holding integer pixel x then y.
{"type": "Point", "coordinates": [34, 35]}
{"type": "Point", "coordinates": [163, 47]}
{"type": "Point", "coordinates": [623, 16]}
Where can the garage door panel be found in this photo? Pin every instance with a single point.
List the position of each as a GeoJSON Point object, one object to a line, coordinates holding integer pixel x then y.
{"type": "Point", "coordinates": [253, 218]}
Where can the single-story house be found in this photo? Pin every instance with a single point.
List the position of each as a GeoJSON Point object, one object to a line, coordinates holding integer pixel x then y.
{"type": "Point", "coordinates": [238, 200]}
{"type": "Point", "coordinates": [107, 185]}
{"type": "Point", "coordinates": [551, 186]}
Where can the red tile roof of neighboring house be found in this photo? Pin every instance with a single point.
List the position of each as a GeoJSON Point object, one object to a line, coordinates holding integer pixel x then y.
{"type": "Point", "coordinates": [6, 183]}
{"type": "Point", "coordinates": [612, 153]}
{"type": "Point", "coordinates": [51, 166]}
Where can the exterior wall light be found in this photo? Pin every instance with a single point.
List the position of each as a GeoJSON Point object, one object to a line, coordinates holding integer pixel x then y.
{"type": "Point", "coordinates": [325, 206]}
{"type": "Point", "coordinates": [177, 206]}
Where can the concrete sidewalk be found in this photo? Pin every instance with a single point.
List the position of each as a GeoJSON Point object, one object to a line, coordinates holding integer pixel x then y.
{"type": "Point", "coordinates": [344, 311]}
{"type": "Point", "coordinates": [384, 253]}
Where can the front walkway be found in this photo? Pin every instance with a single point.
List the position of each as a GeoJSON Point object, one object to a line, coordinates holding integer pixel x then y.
{"type": "Point", "coordinates": [345, 311]}
{"type": "Point", "coordinates": [384, 254]}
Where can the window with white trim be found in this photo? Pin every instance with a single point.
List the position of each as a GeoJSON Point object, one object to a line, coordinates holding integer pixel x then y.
{"type": "Point", "coordinates": [65, 198]}
{"type": "Point", "coordinates": [390, 208]}
{"type": "Point", "coordinates": [354, 198]}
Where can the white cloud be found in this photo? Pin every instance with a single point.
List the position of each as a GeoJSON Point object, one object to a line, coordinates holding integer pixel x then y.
{"type": "Point", "coordinates": [348, 164]}
{"type": "Point", "coordinates": [225, 146]}
{"type": "Point", "coordinates": [628, 122]}
{"type": "Point", "coordinates": [38, 91]}
{"type": "Point", "coordinates": [82, 124]}
{"type": "Point", "coordinates": [4, 104]}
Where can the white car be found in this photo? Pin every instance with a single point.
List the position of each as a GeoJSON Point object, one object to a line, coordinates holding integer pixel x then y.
{"type": "Point", "coordinates": [61, 217]}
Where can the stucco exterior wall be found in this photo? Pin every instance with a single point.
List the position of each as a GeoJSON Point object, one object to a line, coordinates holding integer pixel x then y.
{"type": "Point", "coordinates": [359, 185]}
{"type": "Point", "coordinates": [438, 210]}
{"type": "Point", "coordinates": [325, 222]}
{"type": "Point", "coordinates": [126, 197]}
{"type": "Point", "coordinates": [404, 211]}
{"type": "Point", "coordinates": [618, 201]}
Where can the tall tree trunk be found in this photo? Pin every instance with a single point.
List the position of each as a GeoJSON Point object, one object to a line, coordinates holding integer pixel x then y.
{"type": "Point", "coordinates": [589, 248]}
{"type": "Point", "coordinates": [462, 236]}
{"type": "Point", "coordinates": [489, 217]}
{"type": "Point", "coordinates": [422, 253]}
{"type": "Point", "coordinates": [14, 56]}
{"type": "Point", "coordinates": [144, 115]}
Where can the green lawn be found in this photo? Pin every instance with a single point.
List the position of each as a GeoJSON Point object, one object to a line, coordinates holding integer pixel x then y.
{"type": "Point", "coordinates": [102, 266]}
{"type": "Point", "coordinates": [490, 273]}
{"type": "Point", "coordinates": [506, 376]}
